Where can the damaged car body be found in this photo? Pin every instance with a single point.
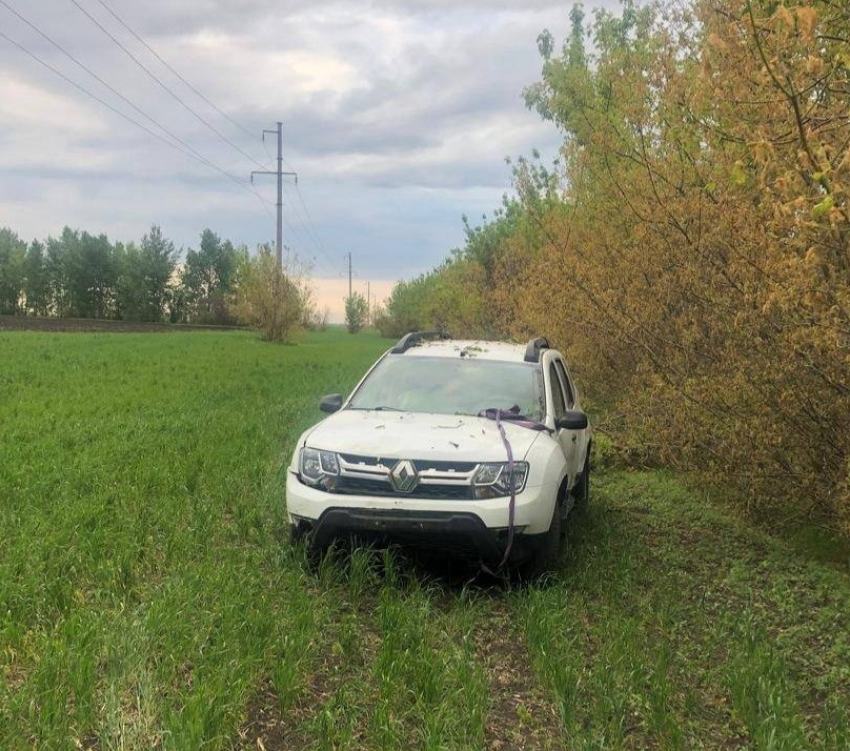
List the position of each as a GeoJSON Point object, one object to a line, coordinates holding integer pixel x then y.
{"type": "Point", "coordinates": [470, 448]}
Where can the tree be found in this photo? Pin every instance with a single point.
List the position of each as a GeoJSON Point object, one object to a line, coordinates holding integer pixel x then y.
{"type": "Point", "coordinates": [130, 292]}
{"type": "Point", "coordinates": [36, 280]}
{"type": "Point", "coordinates": [208, 278]}
{"type": "Point", "coordinates": [158, 258]}
{"type": "Point", "coordinates": [270, 299]}
{"type": "Point", "coordinates": [12, 257]}
{"type": "Point", "coordinates": [356, 311]}
{"type": "Point", "coordinates": [85, 274]}
{"type": "Point", "coordinates": [690, 251]}
{"type": "Point", "coordinates": [145, 277]}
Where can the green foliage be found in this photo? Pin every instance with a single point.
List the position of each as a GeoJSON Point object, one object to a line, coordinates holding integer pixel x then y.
{"type": "Point", "coordinates": [145, 277]}
{"type": "Point", "coordinates": [86, 276]}
{"type": "Point", "coordinates": [12, 271]}
{"type": "Point", "coordinates": [36, 288]}
{"type": "Point", "coordinates": [356, 312]}
{"type": "Point", "coordinates": [273, 300]}
{"type": "Point", "coordinates": [89, 273]}
{"type": "Point", "coordinates": [208, 278]}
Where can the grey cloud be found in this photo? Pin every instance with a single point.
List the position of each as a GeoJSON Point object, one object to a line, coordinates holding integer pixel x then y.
{"type": "Point", "coordinates": [403, 130]}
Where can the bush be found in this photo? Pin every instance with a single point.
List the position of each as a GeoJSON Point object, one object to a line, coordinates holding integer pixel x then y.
{"type": "Point", "coordinates": [356, 312]}
{"type": "Point", "coordinates": [690, 255]}
{"type": "Point", "coordinates": [269, 299]}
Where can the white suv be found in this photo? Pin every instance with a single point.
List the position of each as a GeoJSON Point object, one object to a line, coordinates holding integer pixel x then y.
{"type": "Point", "coordinates": [470, 447]}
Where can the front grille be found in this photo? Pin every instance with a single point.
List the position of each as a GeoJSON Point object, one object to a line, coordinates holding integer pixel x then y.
{"type": "Point", "coordinates": [420, 464]}
{"type": "Point", "coordinates": [438, 480]}
{"type": "Point", "coordinates": [360, 486]}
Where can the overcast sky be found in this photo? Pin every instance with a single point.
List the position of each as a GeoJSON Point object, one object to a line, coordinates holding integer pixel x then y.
{"type": "Point", "coordinates": [397, 117]}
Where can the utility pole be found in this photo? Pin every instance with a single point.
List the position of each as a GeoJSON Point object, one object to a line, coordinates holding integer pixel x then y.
{"type": "Point", "coordinates": [280, 173]}
{"type": "Point", "coordinates": [349, 273]}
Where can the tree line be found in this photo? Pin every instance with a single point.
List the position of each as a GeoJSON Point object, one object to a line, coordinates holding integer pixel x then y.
{"type": "Point", "coordinates": [82, 275]}
{"type": "Point", "coordinates": [690, 249]}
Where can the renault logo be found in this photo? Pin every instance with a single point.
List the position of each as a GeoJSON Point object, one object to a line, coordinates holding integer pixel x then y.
{"type": "Point", "coordinates": [404, 476]}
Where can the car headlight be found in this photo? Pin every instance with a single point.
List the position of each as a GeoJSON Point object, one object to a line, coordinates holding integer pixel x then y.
{"type": "Point", "coordinates": [496, 480]}
{"type": "Point", "coordinates": [318, 468]}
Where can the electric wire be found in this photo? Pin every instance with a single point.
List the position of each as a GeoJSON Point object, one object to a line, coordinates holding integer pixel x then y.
{"type": "Point", "coordinates": [150, 49]}
{"type": "Point", "coordinates": [203, 160]}
{"type": "Point", "coordinates": [185, 148]}
{"type": "Point", "coordinates": [309, 225]}
{"type": "Point", "coordinates": [104, 83]}
{"type": "Point", "coordinates": [164, 86]}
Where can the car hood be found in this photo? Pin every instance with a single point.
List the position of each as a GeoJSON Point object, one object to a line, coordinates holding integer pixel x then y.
{"type": "Point", "coordinates": [415, 435]}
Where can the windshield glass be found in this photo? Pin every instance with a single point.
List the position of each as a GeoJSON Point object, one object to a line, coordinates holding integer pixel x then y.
{"type": "Point", "coordinates": [452, 386]}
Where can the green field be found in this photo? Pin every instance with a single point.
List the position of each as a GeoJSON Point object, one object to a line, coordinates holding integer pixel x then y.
{"type": "Point", "coordinates": [149, 596]}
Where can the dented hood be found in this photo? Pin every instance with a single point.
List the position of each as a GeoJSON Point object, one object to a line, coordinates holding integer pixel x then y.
{"type": "Point", "coordinates": [416, 435]}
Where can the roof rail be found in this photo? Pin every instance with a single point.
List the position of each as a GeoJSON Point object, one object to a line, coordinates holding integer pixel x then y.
{"type": "Point", "coordinates": [535, 348]}
{"type": "Point", "coordinates": [415, 338]}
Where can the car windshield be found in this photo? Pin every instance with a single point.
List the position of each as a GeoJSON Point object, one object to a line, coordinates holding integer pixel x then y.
{"type": "Point", "coordinates": [451, 386]}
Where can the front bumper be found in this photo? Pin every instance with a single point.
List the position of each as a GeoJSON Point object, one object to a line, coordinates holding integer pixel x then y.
{"type": "Point", "coordinates": [532, 514]}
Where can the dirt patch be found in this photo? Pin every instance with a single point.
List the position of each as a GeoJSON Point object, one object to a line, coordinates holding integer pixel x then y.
{"type": "Point", "coordinates": [270, 727]}
{"type": "Point", "coordinates": [265, 727]}
{"type": "Point", "coordinates": [520, 715]}
{"type": "Point", "coordinates": [32, 323]}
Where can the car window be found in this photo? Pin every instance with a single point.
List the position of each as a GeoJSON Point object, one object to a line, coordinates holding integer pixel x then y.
{"type": "Point", "coordinates": [558, 404]}
{"type": "Point", "coordinates": [568, 387]}
{"type": "Point", "coordinates": [452, 386]}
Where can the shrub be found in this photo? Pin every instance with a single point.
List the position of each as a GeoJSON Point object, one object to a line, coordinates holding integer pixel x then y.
{"type": "Point", "coordinates": [356, 312]}
{"type": "Point", "coordinates": [269, 299]}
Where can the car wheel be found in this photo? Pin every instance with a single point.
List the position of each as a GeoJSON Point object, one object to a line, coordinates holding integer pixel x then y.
{"type": "Point", "coordinates": [546, 558]}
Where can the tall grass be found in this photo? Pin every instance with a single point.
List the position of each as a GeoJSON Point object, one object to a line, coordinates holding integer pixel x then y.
{"type": "Point", "coordinates": [149, 597]}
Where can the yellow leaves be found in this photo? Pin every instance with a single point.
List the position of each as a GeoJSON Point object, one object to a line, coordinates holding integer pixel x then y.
{"type": "Point", "coordinates": [763, 151]}
{"type": "Point", "coordinates": [807, 18]}
{"type": "Point", "coordinates": [717, 42]}
{"type": "Point", "coordinates": [803, 20]}
{"type": "Point", "coordinates": [814, 65]}
{"type": "Point", "coordinates": [783, 15]}
{"type": "Point", "coordinates": [815, 256]}
{"type": "Point", "coordinates": [641, 277]}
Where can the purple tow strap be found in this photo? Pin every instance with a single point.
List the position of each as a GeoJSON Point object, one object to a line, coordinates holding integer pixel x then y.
{"type": "Point", "coordinates": [513, 415]}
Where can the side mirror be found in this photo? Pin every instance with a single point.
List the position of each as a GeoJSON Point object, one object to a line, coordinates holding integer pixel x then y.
{"type": "Point", "coordinates": [331, 403]}
{"type": "Point", "coordinates": [572, 419]}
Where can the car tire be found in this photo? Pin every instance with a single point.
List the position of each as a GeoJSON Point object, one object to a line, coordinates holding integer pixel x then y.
{"type": "Point", "coordinates": [546, 558]}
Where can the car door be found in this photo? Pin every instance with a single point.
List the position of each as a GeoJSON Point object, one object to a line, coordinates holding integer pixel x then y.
{"type": "Point", "coordinates": [578, 438]}
{"type": "Point", "coordinates": [558, 400]}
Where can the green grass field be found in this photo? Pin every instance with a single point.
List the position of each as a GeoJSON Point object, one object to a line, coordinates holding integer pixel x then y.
{"type": "Point", "coordinates": [149, 596]}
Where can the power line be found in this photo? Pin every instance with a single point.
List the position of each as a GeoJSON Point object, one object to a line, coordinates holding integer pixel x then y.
{"type": "Point", "coordinates": [309, 225]}
{"type": "Point", "coordinates": [187, 149]}
{"type": "Point", "coordinates": [173, 70]}
{"type": "Point", "coordinates": [106, 84]}
{"type": "Point", "coordinates": [315, 241]}
{"type": "Point", "coordinates": [165, 86]}
{"type": "Point", "coordinates": [203, 160]}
